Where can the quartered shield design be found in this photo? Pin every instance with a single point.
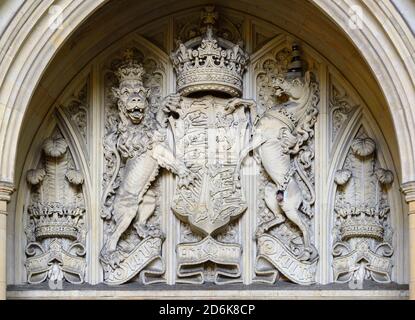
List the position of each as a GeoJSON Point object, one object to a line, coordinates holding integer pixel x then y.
{"type": "Point", "coordinates": [209, 139]}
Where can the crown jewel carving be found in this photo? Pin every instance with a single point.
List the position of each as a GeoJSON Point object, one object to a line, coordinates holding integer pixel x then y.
{"type": "Point", "coordinates": [209, 63]}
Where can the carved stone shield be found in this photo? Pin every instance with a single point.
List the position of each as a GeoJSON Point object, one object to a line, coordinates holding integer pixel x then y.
{"type": "Point", "coordinates": [209, 138]}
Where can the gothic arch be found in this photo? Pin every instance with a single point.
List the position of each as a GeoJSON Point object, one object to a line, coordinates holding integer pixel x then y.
{"type": "Point", "coordinates": [394, 74]}
{"type": "Point", "coordinates": [16, 99]}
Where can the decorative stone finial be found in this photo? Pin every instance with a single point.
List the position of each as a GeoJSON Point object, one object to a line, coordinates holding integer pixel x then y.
{"type": "Point", "coordinates": [209, 15]}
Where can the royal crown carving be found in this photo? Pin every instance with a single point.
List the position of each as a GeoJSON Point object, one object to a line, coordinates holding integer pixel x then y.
{"type": "Point", "coordinates": [209, 63]}
{"type": "Point", "coordinates": [130, 69]}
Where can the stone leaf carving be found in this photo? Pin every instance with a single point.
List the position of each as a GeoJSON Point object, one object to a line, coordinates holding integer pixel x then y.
{"type": "Point", "coordinates": [139, 146]}
{"type": "Point", "coordinates": [282, 143]}
{"type": "Point", "coordinates": [77, 109]}
{"type": "Point", "coordinates": [363, 247]}
{"type": "Point", "coordinates": [56, 217]}
{"type": "Point", "coordinates": [341, 106]}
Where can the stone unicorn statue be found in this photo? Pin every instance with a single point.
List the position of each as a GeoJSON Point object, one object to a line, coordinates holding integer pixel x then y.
{"type": "Point", "coordinates": [280, 143]}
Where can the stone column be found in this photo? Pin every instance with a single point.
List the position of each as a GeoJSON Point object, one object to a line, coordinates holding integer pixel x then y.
{"type": "Point", "coordinates": [409, 191]}
{"type": "Point", "coordinates": [6, 190]}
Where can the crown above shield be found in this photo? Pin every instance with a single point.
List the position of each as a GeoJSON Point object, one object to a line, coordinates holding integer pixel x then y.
{"type": "Point", "coordinates": [209, 63]}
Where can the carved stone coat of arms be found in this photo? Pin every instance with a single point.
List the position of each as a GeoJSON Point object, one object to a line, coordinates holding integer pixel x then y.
{"type": "Point", "coordinates": [209, 138]}
{"type": "Point", "coordinates": [213, 130]}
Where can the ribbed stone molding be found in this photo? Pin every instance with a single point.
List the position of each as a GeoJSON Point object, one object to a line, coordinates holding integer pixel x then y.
{"type": "Point", "coordinates": [408, 189]}
{"type": "Point", "coordinates": [6, 190]}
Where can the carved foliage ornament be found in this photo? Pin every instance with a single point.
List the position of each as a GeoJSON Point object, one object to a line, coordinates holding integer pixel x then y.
{"type": "Point", "coordinates": [56, 217]}
{"type": "Point", "coordinates": [342, 108]}
{"type": "Point", "coordinates": [78, 111]}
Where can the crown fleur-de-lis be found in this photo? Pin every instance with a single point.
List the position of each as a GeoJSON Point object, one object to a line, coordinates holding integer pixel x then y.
{"type": "Point", "coordinates": [128, 54]}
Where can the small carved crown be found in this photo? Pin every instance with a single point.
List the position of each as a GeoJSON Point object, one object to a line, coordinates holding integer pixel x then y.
{"type": "Point", "coordinates": [54, 219]}
{"type": "Point", "coordinates": [209, 63]}
{"type": "Point", "coordinates": [130, 69]}
{"type": "Point", "coordinates": [365, 224]}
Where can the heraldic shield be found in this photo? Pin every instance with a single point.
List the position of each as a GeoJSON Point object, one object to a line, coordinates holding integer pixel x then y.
{"type": "Point", "coordinates": [209, 138]}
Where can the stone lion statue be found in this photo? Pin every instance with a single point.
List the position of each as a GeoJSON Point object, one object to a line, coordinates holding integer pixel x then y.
{"type": "Point", "coordinates": [141, 146]}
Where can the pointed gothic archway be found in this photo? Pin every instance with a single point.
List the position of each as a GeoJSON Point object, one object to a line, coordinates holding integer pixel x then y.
{"type": "Point", "coordinates": [40, 47]}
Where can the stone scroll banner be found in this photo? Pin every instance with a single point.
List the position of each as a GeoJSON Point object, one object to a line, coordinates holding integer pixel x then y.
{"type": "Point", "coordinates": [273, 251]}
{"type": "Point", "coordinates": [376, 264]}
{"type": "Point", "coordinates": [144, 254]}
{"type": "Point", "coordinates": [192, 256]}
{"type": "Point", "coordinates": [38, 266]}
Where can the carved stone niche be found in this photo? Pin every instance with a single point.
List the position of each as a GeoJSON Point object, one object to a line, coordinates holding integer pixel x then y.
{"type": "Point", "coordinates": [55, 221]}
{"type": "Point", "coordinates": [362, 233]}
